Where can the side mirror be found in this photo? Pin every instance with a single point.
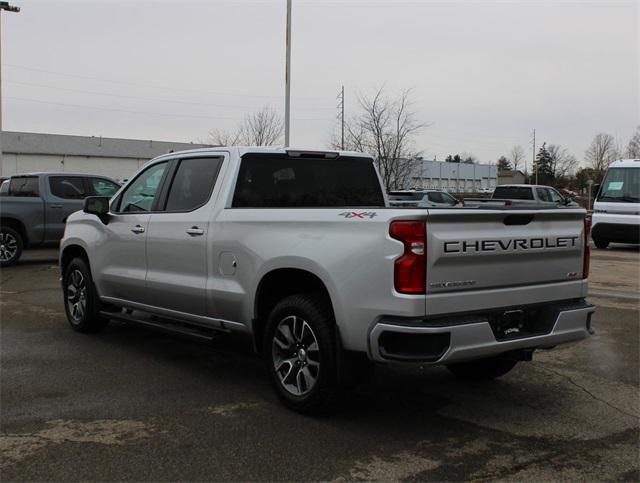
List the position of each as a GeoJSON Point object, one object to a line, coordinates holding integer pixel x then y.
{"type": "Point", "coordinates": [97, 205]}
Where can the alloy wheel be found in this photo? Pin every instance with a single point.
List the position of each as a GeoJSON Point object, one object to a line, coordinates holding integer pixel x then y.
{"type": "Point", "coordinates": [77, 295]}
{"type": "Point", "coordinates": [296, 355]}
{"type": "Point", "coordinates": [8, 247]}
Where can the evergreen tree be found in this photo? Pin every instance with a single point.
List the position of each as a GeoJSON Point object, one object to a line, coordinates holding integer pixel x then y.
{"type": "Point", "coordinates": [543, 166]}
{"type": "Point", "coordinates": [503, 164]}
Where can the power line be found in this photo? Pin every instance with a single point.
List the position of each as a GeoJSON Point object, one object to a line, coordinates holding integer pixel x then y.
{"type": "Point", "coordinates": [137, 84]}
{"type": "Point", "coordinates": [128, 111]}
{"type": "Point", "coordinates": [155, 99]}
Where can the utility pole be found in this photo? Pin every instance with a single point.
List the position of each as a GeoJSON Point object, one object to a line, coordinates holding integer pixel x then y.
{"type": "Point", "coordinates": [8, 8]}
{"type": "Point", "coordinates": [533, 162]}
{"type": "Point", "coordinates": [341, 107]}
{"type": "Point", "coordinates": [287, 81]}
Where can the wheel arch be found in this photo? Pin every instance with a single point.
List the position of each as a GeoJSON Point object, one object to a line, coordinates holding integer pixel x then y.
{"type": "Point", "coordinates": [17, 225]}
{"type": "Point", "coordinates": [70, 252]}
{"type": "Point", "coordinates": [278, 284]}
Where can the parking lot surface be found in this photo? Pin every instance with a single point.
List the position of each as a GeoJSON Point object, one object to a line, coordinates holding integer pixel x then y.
{"type": "Point", "coordinates": [129, 404]}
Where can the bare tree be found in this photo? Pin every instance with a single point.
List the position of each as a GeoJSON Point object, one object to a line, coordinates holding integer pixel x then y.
{"type": "Point", "coordinates": [601, 152]}
{"type": "Point", "coordinates": [385, 128]}
{"type": "Point", "coordinates": [261, 128]}
{"type": "Point", "coordinates": [563, 163]}
{"type": "Point", "coordinates": [633, 148]}
{"type": "Point", "coordinates": [517, 156]}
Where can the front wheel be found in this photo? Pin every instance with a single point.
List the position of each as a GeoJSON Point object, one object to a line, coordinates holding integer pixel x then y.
{"type": "Point", "coordinates": [81, 301]}
{"type": "Point", "coordinates": [600, 243]}
{"type": "Point", "coordinates": [483, 369]}
{"type": "Point", "coordinates": [300, 352]}
{"type": "Point", "coordinates": [10, 246]}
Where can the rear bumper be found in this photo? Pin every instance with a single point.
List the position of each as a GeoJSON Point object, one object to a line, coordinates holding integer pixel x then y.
{"type": "Point", "coordinates": [470, 337]}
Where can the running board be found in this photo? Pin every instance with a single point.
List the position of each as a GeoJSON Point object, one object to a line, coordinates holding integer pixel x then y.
{"type": "Point", "coordinates": [168, 327]}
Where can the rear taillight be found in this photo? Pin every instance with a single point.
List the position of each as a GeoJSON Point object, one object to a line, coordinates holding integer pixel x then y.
{"type": "Point", "coordinates": [587, 252]}
{"type": "Point", "coordinates": [410, 274]}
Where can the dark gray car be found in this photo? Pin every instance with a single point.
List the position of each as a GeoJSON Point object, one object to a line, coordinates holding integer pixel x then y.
{"type": "Point", "coordinates": [35, 208]}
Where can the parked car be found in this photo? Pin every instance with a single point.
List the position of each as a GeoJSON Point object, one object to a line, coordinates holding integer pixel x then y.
{"type": "Point", "coordinates": [300, 252]}
{"type": "Point", "coordinates": [485, 190]}
{"type": "Point", "coordinates": [616, 210]}
{"type": "Point", "coordinates": [523, 195]}
{"type": "Point", "coordinates": [34, 208]}
{"type": "Point", "coordinates": [427, 198]}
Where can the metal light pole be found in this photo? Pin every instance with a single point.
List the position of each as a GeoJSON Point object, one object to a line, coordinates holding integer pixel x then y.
{"type": "Point", "coordinates": [8, 8]}
{"type": "Point", "coordinates": [287, 75]}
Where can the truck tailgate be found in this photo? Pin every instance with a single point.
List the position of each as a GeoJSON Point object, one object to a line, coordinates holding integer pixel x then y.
{"type": "Point", "coordinates": [476, 250]}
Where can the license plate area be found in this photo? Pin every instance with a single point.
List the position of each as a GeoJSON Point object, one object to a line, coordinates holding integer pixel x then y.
{"type": "Point", "coordinates": [526, 322]}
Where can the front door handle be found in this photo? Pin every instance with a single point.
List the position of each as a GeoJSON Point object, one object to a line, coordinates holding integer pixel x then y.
{"type": "Point", "coordinates": [195, 231]}
{"type": "Point", "coordinates": [138, 229]}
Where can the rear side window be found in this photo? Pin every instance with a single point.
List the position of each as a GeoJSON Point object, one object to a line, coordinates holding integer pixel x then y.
{"type": "Point", "coordinates": [513, 193]}
{"type": "Point", "coordinates": [102, 187]}
{"type": "Point", "coordinates": [193, 183]}
{"type": "Point", "coordinates": [67, 187]}
{"type": "Point", "coordinates": [24, 186]}
{"type": "Point", "coordinates": [279, 181]}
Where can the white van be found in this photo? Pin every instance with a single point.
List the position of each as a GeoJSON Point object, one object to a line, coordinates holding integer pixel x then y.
{"type": "Point", "coordinates": [616, 211]}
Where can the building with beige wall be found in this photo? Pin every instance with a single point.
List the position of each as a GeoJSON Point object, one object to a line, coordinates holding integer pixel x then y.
{"type": "Point", "coordinates": [24, 152]}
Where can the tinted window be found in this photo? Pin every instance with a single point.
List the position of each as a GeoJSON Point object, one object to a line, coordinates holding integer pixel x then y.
{"type": "Point", "coordinates": [24, 186]}
{"type": "Point", "coordinates": [543, 194]}
{"type": "Point", "coordinates": [4, 188]}
{"type": "Point", "coordinates": [102, 187]}
{"type": "Point", "coordinates": [193, 183]}
{"type": "Point", "coordinates": [512, 193]}
{"type": "Point", "coordinates": [140, 194]}
{"type": "Point", "coordinates": [67, 187]}
{"type": "Point", "coordinates": [281, 181]}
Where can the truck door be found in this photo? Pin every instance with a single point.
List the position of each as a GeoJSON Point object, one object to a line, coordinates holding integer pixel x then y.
{"type": "Point", "coordinates": [178, 268]}
{"type": "Point", "coordinates": [122, 257]}
{"type": "Point", "coordinates": [66, 195]}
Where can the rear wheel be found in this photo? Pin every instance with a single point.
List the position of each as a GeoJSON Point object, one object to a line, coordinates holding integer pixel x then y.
{"type": "Point", "coordinates": [81, 301]}
{"type": "Point", "coordinates": [600, 243]}
{"type": "Point", "coordinates": [483, 369]}
{"type": "Point", "coordinates": [300, 352]}
{"type": "Point", "coordinates": [10, 246]}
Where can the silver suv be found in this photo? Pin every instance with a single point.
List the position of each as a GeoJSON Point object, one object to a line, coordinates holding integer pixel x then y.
{"type": "Point", "coordinates": [300, 252]}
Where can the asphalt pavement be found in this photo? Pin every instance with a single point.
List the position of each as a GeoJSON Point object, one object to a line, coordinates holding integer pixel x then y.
{"type": "Point", "coordinates": [129, 404]}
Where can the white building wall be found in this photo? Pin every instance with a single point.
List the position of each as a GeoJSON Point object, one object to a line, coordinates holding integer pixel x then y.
{"type": "Point", "coordinates": [116, 168]}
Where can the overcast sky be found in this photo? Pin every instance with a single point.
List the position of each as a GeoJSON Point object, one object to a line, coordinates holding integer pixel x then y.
{"type": "Point", "coordinates": [484, 74]}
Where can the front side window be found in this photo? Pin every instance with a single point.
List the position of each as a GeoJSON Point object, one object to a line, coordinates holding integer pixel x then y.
{"type": "Point", "coordinates": [193, 183]}
{"type": "Point", "coordinates": [543, 194]}
{"type": "Point", "coordinates": [139, 196]}
{"type": "Point", "coordinates": [280, 181]}
{"type": "Point", "coordinates": [555, 196]}
{"type": "Point", "coordinates": [102, 187]}
{"type": "Point", "coordinates": [24, 186]}
{"type": "Point", "coordinates": [621, 185]}
{"type": "Point", "coordinates": [67, 187]}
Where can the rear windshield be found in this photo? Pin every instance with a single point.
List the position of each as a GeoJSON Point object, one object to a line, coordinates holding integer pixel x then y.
{"type": "Point", "coordinates": [513, 193]}
{"type": "Point", "coordinates": [280, 181]}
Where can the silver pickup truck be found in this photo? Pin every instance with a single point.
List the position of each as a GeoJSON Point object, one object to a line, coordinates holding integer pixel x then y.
{"type": "Point", "coordinates": [300, 251]}
{"type": "Point", "coordinates": [35, 206]}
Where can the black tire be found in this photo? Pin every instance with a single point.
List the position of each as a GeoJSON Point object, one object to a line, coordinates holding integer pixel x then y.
{"type": "Point", "coordinates": [600, 243]}
{"type": "Point", "coordinates": [11, 246]}
{"type": "Point", "coordinates": [315, 311]}
{"type": "Point", "coordinates": [78, 288]}
{"type": "Point", "coordinates": [483, 369]}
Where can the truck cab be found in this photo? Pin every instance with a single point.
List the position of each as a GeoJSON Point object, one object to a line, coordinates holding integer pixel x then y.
{"type": "Point", "coordinates": [616, 210]}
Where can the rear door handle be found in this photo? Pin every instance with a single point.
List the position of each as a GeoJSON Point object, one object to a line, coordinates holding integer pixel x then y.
{"type": "Point", "coordinates": [56, 207]}
{"type": "Point", "coordinates": [138, 229]}
{"type": "Point", "coordinates": [195, 231]}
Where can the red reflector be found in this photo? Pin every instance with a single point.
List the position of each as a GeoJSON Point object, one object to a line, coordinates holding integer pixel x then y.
{"type": "Point", "coordinates": [586, 261]}
{"type": "Point", "coordinates": [410, 272]}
